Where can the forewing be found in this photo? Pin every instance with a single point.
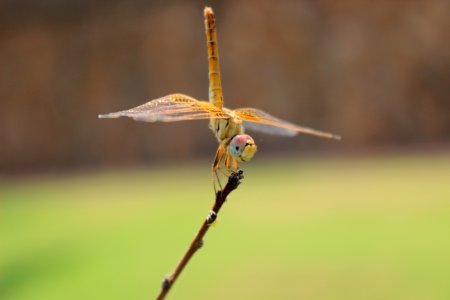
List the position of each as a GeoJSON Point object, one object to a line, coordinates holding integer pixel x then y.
{"type": "Point", "coordinates": [258, 120]}
{"type": "Point", "coordinates": [171, 108]}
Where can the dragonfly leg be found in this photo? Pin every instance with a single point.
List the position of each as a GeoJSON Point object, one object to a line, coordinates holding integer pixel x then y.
{"type": "Point", "coordinates": [217, 175]}
{"type": "Point", "coordinates": [235, 164]}
{"type": "Point", "coordinates": [228, 159]}
{"type": "Point", "coordinates": [231, 163]}
{"type": "Point", "coordinates": [216, 181]}
{"type": "Point", "coordinates": [220, 155]}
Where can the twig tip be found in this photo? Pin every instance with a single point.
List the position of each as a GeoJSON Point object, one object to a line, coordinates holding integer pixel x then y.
{"type": "Point", "coordinates": [235, 178]}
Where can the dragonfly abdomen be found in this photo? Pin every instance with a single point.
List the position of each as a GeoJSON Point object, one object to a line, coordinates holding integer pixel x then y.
{"type": "Point", "coordinates": [215, 86]}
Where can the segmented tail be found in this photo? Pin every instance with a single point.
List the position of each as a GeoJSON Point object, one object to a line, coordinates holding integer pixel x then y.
{"type": "Point", "coordinates": [215, 86]}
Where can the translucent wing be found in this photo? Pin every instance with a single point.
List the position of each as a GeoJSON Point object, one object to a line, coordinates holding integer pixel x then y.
{"type": "Point", "coordinates": [258, 120]}
{"type": "Point", "coordinates": [171, 108]}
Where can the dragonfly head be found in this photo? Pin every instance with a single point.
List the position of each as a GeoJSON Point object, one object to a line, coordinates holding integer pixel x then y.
{"type": "Point", "coordinates": [242, 147]}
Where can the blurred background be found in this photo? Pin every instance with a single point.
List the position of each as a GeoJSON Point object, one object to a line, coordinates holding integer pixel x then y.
{"type": "Point", "coordinates": [88, 207]}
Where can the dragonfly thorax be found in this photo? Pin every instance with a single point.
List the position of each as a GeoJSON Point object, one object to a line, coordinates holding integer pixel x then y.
{"type": "Point", "coordinates": [226, 129]}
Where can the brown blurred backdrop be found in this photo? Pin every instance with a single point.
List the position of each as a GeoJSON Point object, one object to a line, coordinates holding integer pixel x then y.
{"type": "Point", "coordinates": [376, 72]}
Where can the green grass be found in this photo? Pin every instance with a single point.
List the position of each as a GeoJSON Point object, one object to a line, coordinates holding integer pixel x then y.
{"type": "Point", "coordinates": [376, 228]}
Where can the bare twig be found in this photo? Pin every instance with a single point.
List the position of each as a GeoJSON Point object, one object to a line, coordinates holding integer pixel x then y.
{"type": "Point", "coordinates": [197, 243]}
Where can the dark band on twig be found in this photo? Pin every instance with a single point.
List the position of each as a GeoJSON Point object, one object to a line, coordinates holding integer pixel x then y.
{"type": "Point", "coordinates": [212, 216]}
{"type": "Point", "coordinates": [165, 283]}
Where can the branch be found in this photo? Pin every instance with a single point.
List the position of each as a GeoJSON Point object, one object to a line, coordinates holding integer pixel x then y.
{"type": "Point", "coordinates": [197, 243]}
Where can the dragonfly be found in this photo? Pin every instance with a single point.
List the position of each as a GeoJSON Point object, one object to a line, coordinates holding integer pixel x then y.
{"type": "Point", "coordinates": [228, 125]}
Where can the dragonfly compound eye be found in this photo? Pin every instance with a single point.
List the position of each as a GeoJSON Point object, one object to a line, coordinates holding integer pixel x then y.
{"type": "Point", "coordinates": [242, 147]}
